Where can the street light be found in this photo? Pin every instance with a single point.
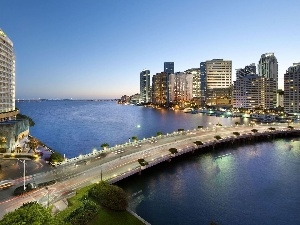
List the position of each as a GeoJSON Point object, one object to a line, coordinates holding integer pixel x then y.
{"type": "Point", "coordinates": [23, 172]}
{"type": "Point", "coordinates": [48, 196]}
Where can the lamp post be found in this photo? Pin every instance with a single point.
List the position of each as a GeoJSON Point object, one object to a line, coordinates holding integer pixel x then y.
{"type": "Point", "coordinates": [23, 172]}
{"type": "Point", "coordinates": [48, 196]}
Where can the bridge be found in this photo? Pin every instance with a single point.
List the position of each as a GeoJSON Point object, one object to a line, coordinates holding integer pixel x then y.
{"type": "Point", "coordinates": [121, 161]}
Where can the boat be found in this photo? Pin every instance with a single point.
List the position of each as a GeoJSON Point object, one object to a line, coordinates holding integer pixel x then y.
{"type": "Point", "coordinates": [188, 110]}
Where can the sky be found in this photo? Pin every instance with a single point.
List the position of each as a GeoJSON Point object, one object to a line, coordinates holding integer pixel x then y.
{"type": "Point", "coordinates": [96, 49]}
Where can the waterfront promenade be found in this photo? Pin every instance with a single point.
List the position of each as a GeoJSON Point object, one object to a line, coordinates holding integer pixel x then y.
{"type": "Point", "coordinates": [120, 161]}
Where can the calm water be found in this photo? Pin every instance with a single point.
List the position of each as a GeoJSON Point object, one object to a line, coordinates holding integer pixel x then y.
{"type": "Point", "coordinates": [255, 184]}
{"type": "Point", "coordinates": [77, 127]}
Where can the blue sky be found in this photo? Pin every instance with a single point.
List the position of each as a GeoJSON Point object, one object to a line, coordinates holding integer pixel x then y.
{"type": "Point", "coordinates": [97, 48]}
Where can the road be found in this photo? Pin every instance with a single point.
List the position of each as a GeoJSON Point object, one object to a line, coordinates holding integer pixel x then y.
{"type": "Point", "coordinates": [119, 160]}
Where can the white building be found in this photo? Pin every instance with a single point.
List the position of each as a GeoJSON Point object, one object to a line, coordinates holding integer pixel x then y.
{"type": "Point", "coordinates": [196, 82]}
{"type": "Point", "coordinates": [292, 89]}
{"type": "Point", "coordinates": [180, 87]}
{"type": "Point", "coordinates": [252, 91]}
{"type": "Point", "coordinates": [7, 78]}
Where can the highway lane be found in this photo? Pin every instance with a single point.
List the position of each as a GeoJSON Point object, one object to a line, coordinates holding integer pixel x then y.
{"type": "Point", "coordinates": [81, 173]}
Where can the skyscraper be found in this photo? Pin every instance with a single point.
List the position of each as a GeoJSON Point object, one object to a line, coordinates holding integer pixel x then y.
{"type": "Point", "coordinates": [169, 67]}
{"type": "Point", "coordinates": [218, 82]}
{"type": "Point", "coordinates": [11, 130]}
{"type": "Point", "coordinates": [145, 94]}
{"type": "Point", "coordinates": [291, 100]}
{"type": "Point", "coordinates": [160, 88]}
{"type": "Point", "coordinates": [7, 77]}
{"type": "Point", "coordinates": [203, 81]}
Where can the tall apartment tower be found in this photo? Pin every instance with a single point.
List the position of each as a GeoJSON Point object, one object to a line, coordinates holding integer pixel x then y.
{"type": "Point", "coordinates": [291, 100]}
{"type": "Point", "coordinates": [7, 77]}
{"type": "Point", "coordinates": [203, 81]}
{"type": "Point", "coordinates": [252, 91]}
{"type": "Point", "coordinates": [218, 82]}
{"type": "Point", "coordinates": [160, 88]}
{"type": "Point", "coordinates": [168, 69]}
{"type": "Point", "coordinates": [145, 95]}
{"type": "Point", "coordinates": [268, 68]}
{"type": "Point", "coordinates": [12, 130]}
{"type": "Point", "coordinates": [181, 88]}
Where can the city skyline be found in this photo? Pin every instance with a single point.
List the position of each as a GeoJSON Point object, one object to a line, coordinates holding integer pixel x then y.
{"type": "Point", "coordinates": [97, 50]}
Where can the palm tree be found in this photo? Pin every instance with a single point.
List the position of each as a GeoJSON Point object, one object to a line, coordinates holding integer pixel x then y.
{"type": "Point", "coordinates": [254, 130]}
{"type": "Point", "coordinates": [159, 133]}
{"type": "Point", "coordinates": [104, 146]}
{"type": "Point", "coordinates": [134, 138]}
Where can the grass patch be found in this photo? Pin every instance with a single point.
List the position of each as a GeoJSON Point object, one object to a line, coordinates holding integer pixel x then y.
{"type": "Point", "coordinates": [110, 217]}
{"type": "Point", "coordinates": [104, 216]}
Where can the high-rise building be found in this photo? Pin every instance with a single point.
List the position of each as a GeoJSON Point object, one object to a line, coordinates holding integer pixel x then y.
{"type": "Point", "coordinates": [250, 69]}
{"type": "Point", "coordinates": [181, 88]}
{"type": "Point", "coordinates": [252, 91]}
{"type": "Point", "coordinates": [218, 82]}
{"type": "Point", "coordinates": [268, 68]}
{"type": "Point", "coordinates": [196, 82]}
{"type": "Point", "coordinates": [169, 67]}
{"type": "Point", "coordinates": [7, 78]}
{"type": "Point", "coordinates": [291, 100]}
{"type": "Point", "coordinates": [203, 81]}
{"type": "Point", "coordinates": [11, 130]}
{"type": "Point", "coordinates": [160, 88]}
{"type": "Point", "coordinates": [145, 95]}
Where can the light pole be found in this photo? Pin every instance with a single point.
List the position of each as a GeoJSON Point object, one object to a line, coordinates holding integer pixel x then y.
{"type": "Point", "coordinates": [48, 196]}
{"type": "Point", "coordinates": [23, 172]}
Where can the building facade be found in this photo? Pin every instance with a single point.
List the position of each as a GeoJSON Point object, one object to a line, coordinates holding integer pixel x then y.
{"type": "Point", "coordinates": [181, 88]}
{"type": "Point", "coordinates": [203, 80]}
{"type": "Point", "coordinates": [268, 68]}
{"type": "Point", "coordinates": [160, 88]}
{"type": "Point", "coordinates": [218, 82]}
{"type": "Point", "coordinates": [253, 91]}
{"type": "Point", "coordinates": [291, 100]}
{"type": "Point", "coordinates": [250, 69]}
{"type": "Point", "coordinates": [11, 130]}
{"type": "Point", "coordinates": [145, 90]}
{"type": "Point", "coordinates": [7, 78]}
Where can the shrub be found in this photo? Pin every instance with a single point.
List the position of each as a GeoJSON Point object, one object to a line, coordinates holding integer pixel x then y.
{"type": "Point", "coordinates": [173, 150]}
{"type": "Point", "coordinates": [110, 196]}
{"type": "Point", "coordinates": [290, 127]}
{"type": "Point", "coordinates": [218, 137]}
{"type": "Point", "coordinates": [198, 143]}
{"type": "Point", "coordinates": [254, 130]}
{"type": "Point", "coordinates": [83, 214]}
{"type": "Point", "coordinates": [271, 128]}
{"type": "Point", "coordinates": [56, 157]}
{"type": "Point", "coordinates": [199, 127]}
{"type": "Point", "coordinates": [142, 162]}
{"type": "Point", "coordinates": [158, 133]}
{"type": "Point", "coordinates": [236, 133]}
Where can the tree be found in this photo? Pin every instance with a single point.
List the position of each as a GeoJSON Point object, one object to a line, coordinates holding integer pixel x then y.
{"type": "Point", "coordinates": [173, 150]}
{"type": "Point", "coordinates": [236, 133]}
{"type": "Point", "coordinates": [142, 162]}
{"type": "Point", "coordinates": [158, 133]}
{"type": "Point", "coordinates": [290, 127]}
{"type": "Point", "coordinates": [237, 123]}
{"type": "Point", "coordinates": [254, 130]}
{"type": "Point", "coordinates": [180, 129]}
{"type": "Point", "coordinates": [30, 213]}
{"type": "Point", "coordinates": [218, 137]}
{"type": "Point", "coordinates": [198, 143]}
{"type": "Point", "coordinates": [33, 143]}
{"type": "Point", "coordinates": [199, 127]}
{"type": "Point", "coordinates": [134, 138]}
{"type": "Point", "coordinates": [56, 157]}
{"type": "Point", "coordinates": [271, 128]}
{"type": "Point", "coordinates": [110, 196]}
{"type": "Point", "coordinates": [104, 145]}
